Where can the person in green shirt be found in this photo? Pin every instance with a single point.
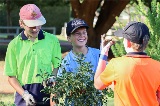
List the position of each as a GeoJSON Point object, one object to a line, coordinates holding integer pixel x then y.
{"type": "Point", "coordinates": [32, 52]}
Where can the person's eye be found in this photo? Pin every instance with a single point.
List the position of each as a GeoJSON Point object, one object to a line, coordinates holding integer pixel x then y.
{"type": "Point", "coordinates": [77, 33]}
{"type": "Point", "coordinates": [84, 33]}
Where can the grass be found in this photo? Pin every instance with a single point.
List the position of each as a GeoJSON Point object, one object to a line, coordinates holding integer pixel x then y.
{"type": "Point", "coordinates": [6, 99]}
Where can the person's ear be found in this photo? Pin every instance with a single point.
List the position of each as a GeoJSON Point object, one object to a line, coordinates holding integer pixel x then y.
{"type": "Point", "coordinates": [21, 23]}
{"type": "Point", "coordinates": [69, 38]}
{"type": "Point", "coordinates": [128, 43]}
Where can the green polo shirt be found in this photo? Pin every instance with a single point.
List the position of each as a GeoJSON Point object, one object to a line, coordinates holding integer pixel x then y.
{"type": "Point", "coordinates": [25, 59]}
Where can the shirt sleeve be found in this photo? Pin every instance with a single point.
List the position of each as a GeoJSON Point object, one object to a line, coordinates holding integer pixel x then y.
{"type": "Point", "coordinates": [108, 75]}
{"type": "Point", "coordinates": [10, 67]}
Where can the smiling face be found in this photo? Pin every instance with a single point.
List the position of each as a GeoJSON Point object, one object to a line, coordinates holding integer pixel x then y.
{"type": "Point", "coordinates": [79, 37]}
{"type": "Point", "coordinates": [30, 32]}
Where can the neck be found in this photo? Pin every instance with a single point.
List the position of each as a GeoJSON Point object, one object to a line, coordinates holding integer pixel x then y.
{"type": "Point", "coordinates": [30, 37]}
{"type": "Point", "coordinates": [132, 50]}
{"type": "Point", "coordinates": [83, 50]}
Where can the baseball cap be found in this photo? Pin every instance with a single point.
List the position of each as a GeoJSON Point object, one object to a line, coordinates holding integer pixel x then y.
{"type": "Point", "coordinates": [133, 31]}
{"type": "Point", "coordinates": [74, 24]}
{"type": "Point", "coordinates": [31, 15]}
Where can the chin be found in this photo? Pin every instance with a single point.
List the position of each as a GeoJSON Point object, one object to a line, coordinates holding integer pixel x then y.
{"type": "Point", "coordinates": [83, 44]}
{"type": "Point", "coordinates": [34, 34]}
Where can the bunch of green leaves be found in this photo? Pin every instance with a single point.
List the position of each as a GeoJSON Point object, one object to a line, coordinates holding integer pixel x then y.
{"type": "Point", "coordinates": [151, 17]}
{"type": "Point", "coordinates": [152, 20]}
{"type": "Point", "coordinates": [44, 76]}
{"type": "Point", "coordinates": [118, 49]}
{"type": "Point", "coordinates": [6, 104]}
{"type": "Point", "coordinates": [77, 88]}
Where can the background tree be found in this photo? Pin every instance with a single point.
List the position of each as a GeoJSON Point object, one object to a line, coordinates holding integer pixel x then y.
{"type": "Point", "coordinates": [51, 9]}
{"type": "Point", "coordinates": [152, 20]}
{"type": "Point", "coordinates": [10, 5]}
{"type": "Point", "coordinates": [84, 9]}
{"type": "Point", "coordinates": [108, 10]}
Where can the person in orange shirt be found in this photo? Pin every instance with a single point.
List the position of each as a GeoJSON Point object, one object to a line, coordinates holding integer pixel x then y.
{"type": "Point", "coordinates": [136, 75]}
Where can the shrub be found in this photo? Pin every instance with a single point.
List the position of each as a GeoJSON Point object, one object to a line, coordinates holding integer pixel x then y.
{"type": "Point", "coordinates": [77, 88]}
{"type": "Point", "coordinates": [152, 20]}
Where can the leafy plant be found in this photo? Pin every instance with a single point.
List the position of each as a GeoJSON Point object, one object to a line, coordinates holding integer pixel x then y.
{"type": "Point", "coordinates": [6, 104]}
{"type": "Point", "coordinates": [152, 20]}
{"type": "Point", "coordinates": [78, 88]}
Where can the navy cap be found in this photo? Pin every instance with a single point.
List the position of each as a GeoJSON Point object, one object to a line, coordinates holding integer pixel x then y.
{"type": "Point", "coordinates": [134, 31]}
{"type": "Point", "coordinates": [74, 24]}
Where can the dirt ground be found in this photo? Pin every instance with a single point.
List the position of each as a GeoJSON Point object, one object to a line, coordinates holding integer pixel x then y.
{"type": "Point", "coordinates": [4, 85]}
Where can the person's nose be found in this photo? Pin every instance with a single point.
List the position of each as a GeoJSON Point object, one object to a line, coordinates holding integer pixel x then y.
{"type": "Point", "coordinates": [36, 28]}
{"type": "Point", "coordinates": [82, 34]}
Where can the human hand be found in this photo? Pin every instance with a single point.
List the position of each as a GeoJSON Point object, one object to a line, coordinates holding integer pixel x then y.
{"type": "Point", "coordinates": [103, 41]}
{"type": "Point", "coordinates": [105, 45]}
{"type": "Point", "coordinates": [28, 99]}
{"type": "Point", "coordinates": [51, 81]}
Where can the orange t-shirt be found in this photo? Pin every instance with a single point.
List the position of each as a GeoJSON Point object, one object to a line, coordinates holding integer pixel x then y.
{"type": "Point", "coordinates": [136, 78]}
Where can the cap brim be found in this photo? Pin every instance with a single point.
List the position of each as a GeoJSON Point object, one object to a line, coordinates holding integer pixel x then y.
{"type": "Point", "coordinates": [32, 23]}
{"type": "Point", "coordinates": [79, 27]}
{"type": "Point", "coordinates": [119, 33]}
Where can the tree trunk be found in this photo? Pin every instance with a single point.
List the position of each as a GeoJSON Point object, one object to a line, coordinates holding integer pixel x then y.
{"type": "Point", "coordinates": [86, 11]}
{"type": "Point", "coordinates": [9, 22]}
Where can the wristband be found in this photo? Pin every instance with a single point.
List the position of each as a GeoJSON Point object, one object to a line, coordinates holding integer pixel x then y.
{"type": "Point", "coordinates": [103, 57]}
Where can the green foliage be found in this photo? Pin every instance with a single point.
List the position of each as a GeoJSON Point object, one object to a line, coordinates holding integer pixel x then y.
{"type": "Point", "coordinates": [77, 88]}
{"type": "Point", "coordinates": [55, 15]}
{"type": "Point", "coordinates": [6, 104]}
{"type": "Point", "coordinates": [44, 76]}
{"type": "Point", "coordinates": [6, 99]}
{"type": "Point", "coordinates": [152, 20]}
{"type": "Point", "coordinates": [118, 49]}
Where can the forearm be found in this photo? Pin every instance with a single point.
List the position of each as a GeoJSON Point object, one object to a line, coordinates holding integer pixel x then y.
{"type": "Point", "coordinates": [97, 81]}
{"type": "Point", "coordinates": [55, 71]}
{"type": "Point", "coordinates": [100, 68]}
{"type": "Point", "coordinates": [103, 58]}
{"type": "Point", "coordinates": [15, 84]}
{"type": "Point", "coordinates": [102, 65]}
